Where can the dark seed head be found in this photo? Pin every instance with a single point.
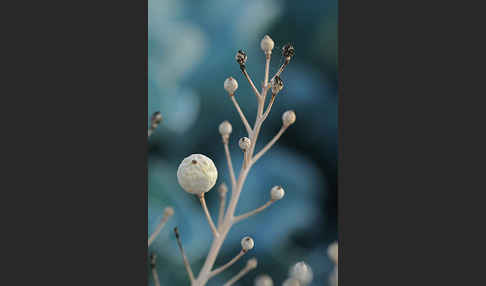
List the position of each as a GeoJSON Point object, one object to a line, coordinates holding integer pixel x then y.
{"type": "Point", "coordinates": [288, 51]}
{"type": "Point", "coordinates": [241, 57]}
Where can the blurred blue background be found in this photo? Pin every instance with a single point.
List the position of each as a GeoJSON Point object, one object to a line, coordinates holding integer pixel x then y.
{"type": "Point", "coordinates": [191, 51]}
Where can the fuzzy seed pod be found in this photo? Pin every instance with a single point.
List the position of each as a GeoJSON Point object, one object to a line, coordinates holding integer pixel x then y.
{"type": "Point", "coordinates": [252, 263]}
{"type": "Point", "coordinates": [244, 143]}
{"type": "Point", "coordinates": [225, 128]}
{"type": "Point", "coordinates": [277, 193]}
{"type": "Point", "coordinates": [277, 85]}
{"type": "Point", "coordinates": [288, 51]}
{"type": "Point", "coordinates": [302, 272]}
{"type": "Point", "coordinates": [264, 280]}
{"type": "Point", "coordinates": [291, 282]}
{"type": "Point", "coordinates": [288, 118]}
{"type": "Point", "coordinates": [267, 44]}
{"type": "Point", "coordinates": [333, 252]}
{"type": "Point", "coordinates": [197, 174]}
{"type": "Point", "coordinates": [247, 243]}
{"type": "Point", "coordinates": [230, 85]}
{"type": "Point", "coordinates": [168, 211]}
{"type": "Point", "coordinates": [241, 57]}
{"type": "Point", "coordinates": [223, 189]}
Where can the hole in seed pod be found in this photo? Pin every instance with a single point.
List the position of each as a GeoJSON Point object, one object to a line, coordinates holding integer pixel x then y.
{"type": "Point", "coordinates": [194, 161]}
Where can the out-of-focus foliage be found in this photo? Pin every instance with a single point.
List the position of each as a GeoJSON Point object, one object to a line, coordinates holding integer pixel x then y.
{"type": "Point", "coordinates": [191, 51]}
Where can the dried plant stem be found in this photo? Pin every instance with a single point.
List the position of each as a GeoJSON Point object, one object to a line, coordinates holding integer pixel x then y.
{"type": "Point", "coordinates": [222, 204]}
{"type": "Point", "coordinates": [255, 211]}
{"type": "Point", "coordinates": [154, 270]}
{"type": "Point", "coordinates": [184, 257]}
{"type": "Point", "coordinates": [281, 69]}
{"type": "Point", "coordinates": [230, 165]}
{"type": "Point", "coordinates": [270, 144]}
{"type": "Point", "coordinates": [159, 227]}
{"type": "Point", "coordinates": [242, 116]}
{"type": "Point", "coordinates": [231, 262]}
{"type": "Point", "coordinates": [208, 216]}
{"type": "Point", "coordinates": [269, 107]}
{"type": "Point", "coordinates": [238, 276]}
{"type": "Point", "coordinates": [245, 73]}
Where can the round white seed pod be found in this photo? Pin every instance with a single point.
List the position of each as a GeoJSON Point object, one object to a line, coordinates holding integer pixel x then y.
{"type": "Point", "coordinates": [230, 85]}
{"type": "Point", "coordinates": [247, 243]}
{"type": "Point", "coordinates": [168, 211]}
{"type": "Point", "coordinates": [225, 128]}
{"type": "Point", "coordinates": [277, 193]}
{"type": "Point", "coordinates": [197, 174]}
{"type": "Point", "coordinates": [263, 280]}
{"type": "Point", "coordinates": [244, 143]}
{"type": "Point", "coordinates": [288, 118]}
{"type": "Point", "coordinates": [252, 263]}
{"type": "Point", "coordinates": [291, 282]}
{"type": "Point", "coordinates": [267, 44]}
{"type": "Point", "coordinates": [302, 272]}
{"type": "Point", "coordinates": [333, 252]}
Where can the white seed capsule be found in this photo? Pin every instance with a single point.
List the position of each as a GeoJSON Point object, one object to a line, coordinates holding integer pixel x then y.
{"type": "Point", "coordinates": [197, 174]}
{"type": "Point", "coordinates": [333, 252]}
{"type": "Point", "coordinates": [288, 118]}
{"type": "Point", "coordinates": [252, 263]}
{"type": "Point", "coordinates": [244, 143]}
{"type": "Point", "coordinates": [247, 243]}
{"type": "Point", "coordinates": [230, 85]}
{"type": "Point", "coordinates": [264, 280]}
{"type": "Point", "coordinates": [302, 272]}
{"type": "Point", "coordinates": [267, 44]}
{"type": "Point", "coordinates": [168, 211]}
{"type": "Point", "coordinates": [225, 128]}
{"type": "Point", "coordinates": [277, 193]}
{"type": "Point", "coordinates": [291, 282]}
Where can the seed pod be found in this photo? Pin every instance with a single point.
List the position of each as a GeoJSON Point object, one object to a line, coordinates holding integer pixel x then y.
{"type": "Point", "coordinates": [288, 51]}
{"type": "Point", "coordinates": [197, 174]}
{"type": "Point", "coordinates": [302, 272]}
{"type": "Point", "coordinates": [244, 143]}
{"type": "Point", "coordinates": [230, 85]}
{"type": "Point", "coordinates": [225, 128]}
{"type": "Point", "coordinates": [247, 243]}
{"type": "Point", "coordinates": [267, 44]}
{"type": "Point", "coordinates": [252, 263]}
{"type": "Point", "coordinates": [288, 118]}
{"type": "Point", "coordinates": [241, 57]}
{"type": "Point", "coordinates": [264, 280]}
{"type": "Point", "coordinates": [277, 193]}
{"type": "Point", "coordinates": [277, 85]}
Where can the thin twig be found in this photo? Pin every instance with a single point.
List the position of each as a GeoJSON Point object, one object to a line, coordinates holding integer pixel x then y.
{"type": "Point", "coordinates": [184, 257]}
{"type": "Point", "coordinates": [208, 216]}
{"type": "Point", "coordinates": [224, 267]}
{"type": "Point", "coordinates": [153, 257]}
{"type": "Point", "coordinates": [245, 73]}
{"type": "Point", "coordinates": [255, 211]}
{"type": "Point", "coordinates": [167, 214]}
{"type": "Point", "coordinates": [230, 165]}
{"type": "Point", "coordinates": [240, 112]}
{"type": "Point", "coordinates": [222, 202]}
{"type": "Point", "coordinates": [269, 107]}
{"type": "Point", "coordinates": [269, 144]}
{"type": "Point", "coordinates": [249, 266]}
{"type": "Point", "coordinates": [281, 69]}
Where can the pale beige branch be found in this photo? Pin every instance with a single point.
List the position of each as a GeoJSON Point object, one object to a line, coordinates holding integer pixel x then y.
{"type": "Point", "coordinates": [184, 257]}
{"type": "Point", "coordinates": [242, 116]}
{"type": "Point", "coordinates": [224, 267]}
{"type": "Point", "coordinates": [269, 144]}
{"type": "Point", "coordinates": [208, 216]}
{"type": "Point", "coordinates": [253, 212]}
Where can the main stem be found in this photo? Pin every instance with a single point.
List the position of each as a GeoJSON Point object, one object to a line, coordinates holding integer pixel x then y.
{"type": "Point", "coordinates": [228, 221]}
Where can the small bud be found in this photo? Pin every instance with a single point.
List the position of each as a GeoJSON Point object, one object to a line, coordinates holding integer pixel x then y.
{"type": "Point", "coordinates": [288, 51]}
{"type": "Point", "coordinates": [277, 193]}
{"type": "Point", "coordinates": [197, 174]}
{"type": "Point", "coordinates": [247, 243]}
{"type": "Point", "coordinates": [225, 128]}
{"type": "Point", "coordinates": [264, 280]}
{"type": "Point", "coordinates": [156, 117]}
{"type": "Point", "coordinates": [241, 57]}
{"type": "Point", "coordinates": [291, 282]}
{"type": "Point", "coordinates": [302, 272]}
{"type": "Point", "coordinates": [244, 143]}
{"type": "Point", "coordinates": [223, 189]}
{"type": "Point", "coordinates": [288, 118]}
{"type": "Point", "coordinates": [267, 44]}
{"type": "Point", "coordinates": [168, 211]}
{"type": "Point", "coordinates": [252, 263]}
{"type": "Point", "coordinates": [277, 85]}
{"type": "Point", "coordinates": [333, 252]}
{"type": "Point", "coordinates": [153, 258]}
{"type": "Point", "coordinates": [230, 85]}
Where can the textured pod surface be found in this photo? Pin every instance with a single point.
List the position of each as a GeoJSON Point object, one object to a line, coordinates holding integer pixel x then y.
{"type": "Point", "coordinates": [197, 174]}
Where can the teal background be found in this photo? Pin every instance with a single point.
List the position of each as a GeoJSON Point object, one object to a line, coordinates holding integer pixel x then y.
{"type": "Point", "coordinates": [191, 51]}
